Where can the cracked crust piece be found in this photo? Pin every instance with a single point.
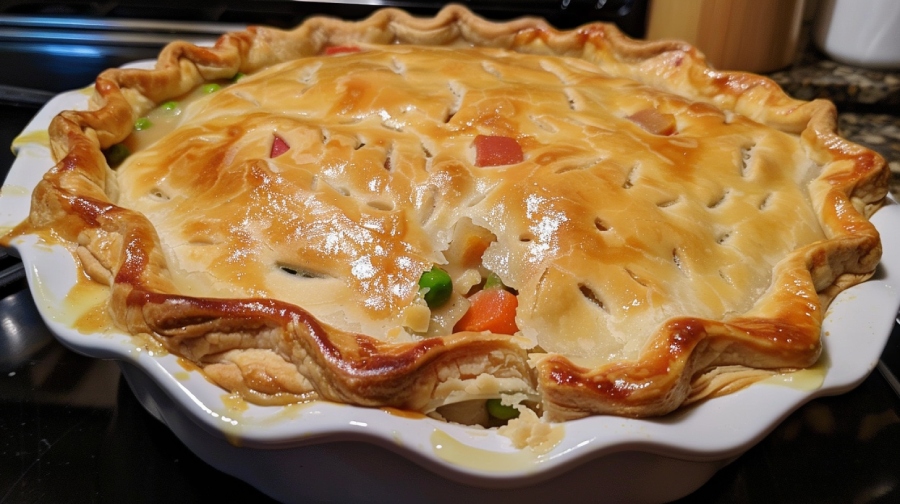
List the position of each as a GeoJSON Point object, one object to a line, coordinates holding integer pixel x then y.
{"type": "Point", "coordinates": [656, 219]}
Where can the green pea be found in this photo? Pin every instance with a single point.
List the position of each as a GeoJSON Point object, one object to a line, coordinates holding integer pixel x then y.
{"type": "Point", "coordinates": [210, 88]}
{"type": "Point", "coordinates": [238, 76]}
{"type": "Point", "coordinates": [493, 282]}
{"type": "Point", "coordinates": [439, 287]}
{"type": "Point", "coordinates": [169, 105]}
{"type": "Point", "coordinates": [116, 154]}
{"type": "Point", "coordinates": [142, 124]}
{"type": "Point", "coordinates": [501, 411]}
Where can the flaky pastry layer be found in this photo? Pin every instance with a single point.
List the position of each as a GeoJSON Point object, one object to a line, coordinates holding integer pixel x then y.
{"type": "Point", "coordinates": [641, 256]}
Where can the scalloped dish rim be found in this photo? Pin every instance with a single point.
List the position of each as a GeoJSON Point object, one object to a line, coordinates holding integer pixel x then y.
{"type": "Point", "coordinates": [856, 329]}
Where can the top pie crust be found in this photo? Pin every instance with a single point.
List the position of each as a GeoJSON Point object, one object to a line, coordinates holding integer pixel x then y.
{"type": "Point", "coordinates": [640, 260]}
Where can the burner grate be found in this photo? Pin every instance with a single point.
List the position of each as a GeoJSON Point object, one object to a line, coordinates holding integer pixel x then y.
{"type": "Point", "coordinates": [12, 273]}
{"type": "Point", "coordinates": [629, 14]}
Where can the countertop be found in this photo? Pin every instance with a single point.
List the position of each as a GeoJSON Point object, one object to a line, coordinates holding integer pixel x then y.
{"type": "Point", "coordinates": [72, 431]}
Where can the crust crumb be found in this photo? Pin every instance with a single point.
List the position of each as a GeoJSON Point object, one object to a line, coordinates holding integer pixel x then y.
{"type": "Point", "coordinates": [529, 431]}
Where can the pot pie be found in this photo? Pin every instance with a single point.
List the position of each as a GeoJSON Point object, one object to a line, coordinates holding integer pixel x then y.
{"type": "Point", "coordinates": [427, 214]}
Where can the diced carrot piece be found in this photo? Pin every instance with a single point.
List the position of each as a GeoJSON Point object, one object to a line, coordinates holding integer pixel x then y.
{"type": "Point", "coordinates": [473, 248]}
{"type": "Point", "coordinates": [492, 310]}
{"type": "Point", "coordinates": [279, 147]}
{"type": "Point", "coordinates": [654, 121]}
{"type": "Point", "coordinates": [493, 150]}
{"type": "Point", "coordinates": [330, 51]}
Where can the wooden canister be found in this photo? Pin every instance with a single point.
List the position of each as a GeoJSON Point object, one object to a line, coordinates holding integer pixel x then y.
{"type": "Point", "coordinates": [751, 35]}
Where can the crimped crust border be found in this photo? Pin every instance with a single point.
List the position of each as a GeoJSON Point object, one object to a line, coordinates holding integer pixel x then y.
{"type": "Point", "coordinates": [784, 327]}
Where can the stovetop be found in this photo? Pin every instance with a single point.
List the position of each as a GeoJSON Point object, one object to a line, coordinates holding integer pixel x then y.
{"type": "Point", "coordinates": [55, 44]}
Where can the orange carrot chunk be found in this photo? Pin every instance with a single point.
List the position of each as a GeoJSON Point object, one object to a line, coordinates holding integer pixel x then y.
{"type": "Point", "coordinates": [492, 310]}
{"type": "Point", "coordinates": [654, 121]}
{"type": "Point", "coordinates": [279, 147]}
{"type": "Point", "coordinates": [330, 51]}
{"type": "Point", "coordinates": [492, 150]}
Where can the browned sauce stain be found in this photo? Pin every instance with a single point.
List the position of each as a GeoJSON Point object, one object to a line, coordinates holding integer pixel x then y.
{"type": "Point", "coordinates": [94, 320]}
{"type": "Point", "coordinates": [188, 365]}
{"type": "Point", "coordinates": [403, 413]}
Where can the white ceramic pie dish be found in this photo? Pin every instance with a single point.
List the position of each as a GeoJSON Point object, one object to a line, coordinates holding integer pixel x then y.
{"type": "Point", "coordinates": [329, 452]}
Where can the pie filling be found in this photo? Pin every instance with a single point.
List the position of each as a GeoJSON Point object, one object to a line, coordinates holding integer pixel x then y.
{"type": "Point", "coordinates": [422, 226]}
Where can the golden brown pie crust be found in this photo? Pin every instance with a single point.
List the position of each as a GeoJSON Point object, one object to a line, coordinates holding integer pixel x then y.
{"type": "Point", "coordinates": [271, 350]}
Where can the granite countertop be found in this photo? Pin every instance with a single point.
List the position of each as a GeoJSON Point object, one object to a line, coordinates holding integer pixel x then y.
{"type": "Point", "coordinates": [879, 132]}
{"type": "Point", "coordinates": [868, 101]}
